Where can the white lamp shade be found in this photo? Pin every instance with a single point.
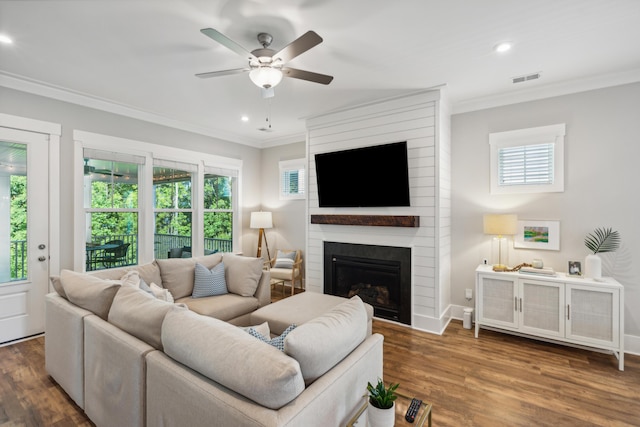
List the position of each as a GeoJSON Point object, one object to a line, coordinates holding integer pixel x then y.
{"type": "Point", "coordinates": [265, 77]}
{"type": "Point", "coordinates": [261, 220]}
{"type": "Point", "coordinates": [501, 224]}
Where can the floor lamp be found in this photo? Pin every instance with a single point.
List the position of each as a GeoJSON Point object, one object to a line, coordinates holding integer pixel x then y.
{"type": "Point", "coordinates": [261, 220]}
{"type": "Point", "coordinates": [500, 226]}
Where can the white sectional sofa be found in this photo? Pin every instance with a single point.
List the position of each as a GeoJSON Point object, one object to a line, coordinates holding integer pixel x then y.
{"type": "Point", "coordinates": [130, 359]}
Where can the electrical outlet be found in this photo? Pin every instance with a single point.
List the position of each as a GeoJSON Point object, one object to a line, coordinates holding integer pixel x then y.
{"type": "Point", "coordinates": [485, 261]}
{"type": "Point", "coordinates": [468, 293]}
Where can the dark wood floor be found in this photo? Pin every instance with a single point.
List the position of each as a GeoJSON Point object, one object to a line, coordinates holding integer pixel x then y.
{"type": "Point", "coordinates": [496, 380]}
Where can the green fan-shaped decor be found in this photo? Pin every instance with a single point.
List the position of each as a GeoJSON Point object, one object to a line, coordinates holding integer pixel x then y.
{"type": "Point", "coordinates": [602, 240]}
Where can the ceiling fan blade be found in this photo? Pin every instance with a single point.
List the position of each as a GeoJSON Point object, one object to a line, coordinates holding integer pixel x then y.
{"type": "Point", "coordinates": [298, 46]}
{"type": "Point", "coordinates": [222, 73]}
{"type": "Point", "coordinates": [228, 43]}
{"type": "Point", "coordinates": [307, 75]}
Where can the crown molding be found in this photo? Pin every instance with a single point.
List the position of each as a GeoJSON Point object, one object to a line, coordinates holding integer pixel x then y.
{"type": "Point", "coordinates": [59, 93]}
{"type": "Point", "coordinates": [538, 92]}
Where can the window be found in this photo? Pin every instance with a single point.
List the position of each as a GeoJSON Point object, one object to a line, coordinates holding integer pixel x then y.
{"type": "Point", "coordinates": [172, 195]}
{"type": "Point", "coordinates": [111, 209]}
{"type": "Point", "coordinates": [292, 175]}
{"type": "Point", "coordinates": [528, 160]}
{"type": "Point", "coordinates": [130, 191]}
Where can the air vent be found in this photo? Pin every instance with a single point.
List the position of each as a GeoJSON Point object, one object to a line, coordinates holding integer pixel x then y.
{"type": "Point", "coordinates": [526, 78]}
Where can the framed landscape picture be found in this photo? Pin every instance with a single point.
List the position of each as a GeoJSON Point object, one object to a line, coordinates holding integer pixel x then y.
{"type": "Point", "coordinates": [533, 234]}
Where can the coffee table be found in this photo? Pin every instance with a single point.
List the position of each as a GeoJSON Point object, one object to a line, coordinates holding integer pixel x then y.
{"type": "Point", "coordinates": [423, 417]}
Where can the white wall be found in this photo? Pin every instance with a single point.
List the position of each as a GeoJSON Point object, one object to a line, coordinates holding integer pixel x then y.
{"type": "Point", "coordinates": [289, 216]}
{"type": "Point", "coordinates": [602, 177]}
{"type": "Point", "coordinates": [74, 117]}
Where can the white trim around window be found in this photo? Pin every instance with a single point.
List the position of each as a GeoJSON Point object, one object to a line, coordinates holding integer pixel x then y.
{"type": "Point", "coordinates": [528, 160]}
{"type": "Point", "coordinates": [149, 151]}
{"type": "Point", "coordinates": [292, 170]}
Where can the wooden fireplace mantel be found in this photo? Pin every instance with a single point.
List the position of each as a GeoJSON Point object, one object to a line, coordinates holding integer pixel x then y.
{"type": "Point", "coordinates": [368, 220]}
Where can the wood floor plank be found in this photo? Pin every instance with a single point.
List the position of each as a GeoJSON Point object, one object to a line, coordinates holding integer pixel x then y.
{"type": "Point", "coordinates": [495, 380]}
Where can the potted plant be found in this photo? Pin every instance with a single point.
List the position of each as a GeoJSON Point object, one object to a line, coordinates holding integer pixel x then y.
{"type": "Point", "coordinates": [381, 412]}
{"type": "Point", "coordinates": [601, 240]}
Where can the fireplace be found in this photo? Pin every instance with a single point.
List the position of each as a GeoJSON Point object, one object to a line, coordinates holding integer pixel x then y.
{"type": "Point", "coordinates": [379, 275]}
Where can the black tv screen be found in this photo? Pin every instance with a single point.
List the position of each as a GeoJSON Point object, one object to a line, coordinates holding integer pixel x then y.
{"type": "Point", "coordinates": [373, 176]}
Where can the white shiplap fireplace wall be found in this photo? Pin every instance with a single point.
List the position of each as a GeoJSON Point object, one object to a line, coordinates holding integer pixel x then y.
{"type": "Point", "coordinates": [422, 119]}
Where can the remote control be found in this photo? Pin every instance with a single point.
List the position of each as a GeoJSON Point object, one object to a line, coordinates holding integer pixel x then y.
{"type": "Point", "coordinates": [412, 410]}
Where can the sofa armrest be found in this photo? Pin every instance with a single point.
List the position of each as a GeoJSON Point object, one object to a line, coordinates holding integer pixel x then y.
{"type": "Point", "coordinates": [64, 345]}
{"type": "Point", "coordinates": [263, 291]}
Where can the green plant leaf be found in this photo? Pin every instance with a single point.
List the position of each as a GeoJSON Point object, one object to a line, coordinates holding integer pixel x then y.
{"type": "Point", "coordinates": [602, 240]}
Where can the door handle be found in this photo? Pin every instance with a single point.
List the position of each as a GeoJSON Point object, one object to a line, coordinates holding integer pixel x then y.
{"type": "Point", "coordinates": [42, 258]}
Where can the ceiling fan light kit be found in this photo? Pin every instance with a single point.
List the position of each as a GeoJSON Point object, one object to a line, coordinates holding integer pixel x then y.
{"type": "Point", "coordinates": [266, 66]}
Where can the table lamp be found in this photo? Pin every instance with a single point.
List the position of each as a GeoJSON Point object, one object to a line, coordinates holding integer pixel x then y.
{"type": "Point", "coordinates": [261, 220]}
{"type": "Point", "coordinates": [501, 226]}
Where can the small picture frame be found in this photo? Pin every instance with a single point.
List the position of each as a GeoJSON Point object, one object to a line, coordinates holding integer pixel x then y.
{"type": "Point", "coordinates": [575, 268]}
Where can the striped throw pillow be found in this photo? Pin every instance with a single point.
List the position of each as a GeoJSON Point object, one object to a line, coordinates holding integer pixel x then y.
{"type": "Point", "coordinates": [285, 260]}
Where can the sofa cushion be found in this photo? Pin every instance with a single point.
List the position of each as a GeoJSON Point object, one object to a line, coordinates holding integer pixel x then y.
{"type": "Point", "coordinates": [231, 357]}
{"type": "Point", "coordinates": [148, 272]}
{"type": "Point", "coordinates": [209, 282]}
{"type": "Point", "coordinates": [89, 292]}
{"type": "Point", "coordinates": [178, 273]}
{"type": "Point", "coordinates": [139, 314]}
{"type": "Point", "coordinates": [242, 274]}
{"type": "Point", "coordinates": [223, 307]}
{"type": "Point", "coordinates": [57, 286]}
{"type": "Point", "coordinates": [319, 344]}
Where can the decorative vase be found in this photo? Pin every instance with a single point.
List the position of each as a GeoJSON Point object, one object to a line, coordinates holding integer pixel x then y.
{"type": "Point", "coordinates": [593, 266]}
{"type": "Point", "coordinates": [381, 417]}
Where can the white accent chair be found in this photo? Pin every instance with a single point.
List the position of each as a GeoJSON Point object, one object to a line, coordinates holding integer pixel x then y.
{"type": "Point", "coordinates": [287, 266]}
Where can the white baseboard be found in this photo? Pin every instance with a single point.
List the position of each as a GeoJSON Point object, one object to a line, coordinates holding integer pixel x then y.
{"type": "Point", "coordinates": [431, 324]}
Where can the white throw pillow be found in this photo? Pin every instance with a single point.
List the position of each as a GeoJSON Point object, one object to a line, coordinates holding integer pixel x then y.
{"type": "Point", "coordinates": [161, 293]}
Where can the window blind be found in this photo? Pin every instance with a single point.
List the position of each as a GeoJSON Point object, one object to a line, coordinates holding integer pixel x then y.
{"type": "Point", "coordinates": [526, 165]}
{"type": "Point", "coordinates": [292, 181]}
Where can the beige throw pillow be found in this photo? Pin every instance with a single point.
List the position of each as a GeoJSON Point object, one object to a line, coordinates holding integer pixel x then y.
{"type": "Point", "coordinates": [139, 314]}
{"type": "Point", "coordinates": [57, 286]}
{"type": "Point", "coordinates": [89, 292]}
{"type": "Point", "coordinates": [319, 344]}
{"type": "Point", "coordinates": [242, 274]}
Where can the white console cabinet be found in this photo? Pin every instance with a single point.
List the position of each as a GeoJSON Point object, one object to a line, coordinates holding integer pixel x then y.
{"type": "Point", "coordinates": [562, 308]}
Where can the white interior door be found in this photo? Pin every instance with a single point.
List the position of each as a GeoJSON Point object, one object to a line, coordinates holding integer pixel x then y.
{"type": "Point", "coordinates": [24, 232]}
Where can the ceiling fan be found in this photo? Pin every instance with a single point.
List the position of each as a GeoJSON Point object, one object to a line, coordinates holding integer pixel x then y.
{"type": "Point", "coordinates": [266, 66]}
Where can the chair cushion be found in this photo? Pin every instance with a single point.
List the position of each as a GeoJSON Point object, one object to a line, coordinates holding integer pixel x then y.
{"type": "Point", "coordinates": [209, 282]}
{"type": "Point", "coordinates": [89, 292]}
{"type": "Point", "coordinates": [285, 259]}
{"type": "Point", "coordinates": [242, 273]}
{"type": "Point", "coordinates": [319, 344]}
{"type": "Point", "coordinates": [231, 357]}
{"type": "Point", "coordinates": [139, 314]}
{"type": "Point", "coordinates": [178, 273]}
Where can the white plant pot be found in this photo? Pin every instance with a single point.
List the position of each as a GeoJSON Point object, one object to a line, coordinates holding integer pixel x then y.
{"type": "Point", "coordinates": [381, 417]}
{"type": "Point", "coordinates": [593, 266]}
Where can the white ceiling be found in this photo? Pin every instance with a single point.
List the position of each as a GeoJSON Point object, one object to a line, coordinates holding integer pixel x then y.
{"type": "Point", "coordinates": [139, 57]}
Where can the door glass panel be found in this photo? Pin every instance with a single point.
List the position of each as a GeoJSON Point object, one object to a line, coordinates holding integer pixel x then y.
{"type": "Point", "coordinates": [172, 189]}
{"type": "Point", "coordinates": [13, 212]}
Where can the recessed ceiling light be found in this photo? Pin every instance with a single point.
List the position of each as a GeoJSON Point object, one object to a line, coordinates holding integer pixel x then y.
{"type": "Point", "coordinates": [5, 39]}
{"type": "Point", "coordinates": [503, 47]}
{"type": "Point", "coordinates": [244, 118]}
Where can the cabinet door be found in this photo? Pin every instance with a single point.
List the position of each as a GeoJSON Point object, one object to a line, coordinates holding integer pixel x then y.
{"type": "Point", "coordinates": [541, 308]}
{"type": "Point", "coordinates": [497, 301]}
{"type": "Point", "coordinates": [593, 315]}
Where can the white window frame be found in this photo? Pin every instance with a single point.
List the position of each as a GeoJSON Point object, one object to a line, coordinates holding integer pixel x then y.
{"type": "Point", "coordinates": [150, 151]}
{"type": "Point", "coordinates": [552, 134]}
{"type": "Point", "coordinates": [288, 166]}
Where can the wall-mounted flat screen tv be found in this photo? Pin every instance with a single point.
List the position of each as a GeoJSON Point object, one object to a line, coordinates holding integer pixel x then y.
{"type": "Point", "coordinates": [374, 176]}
